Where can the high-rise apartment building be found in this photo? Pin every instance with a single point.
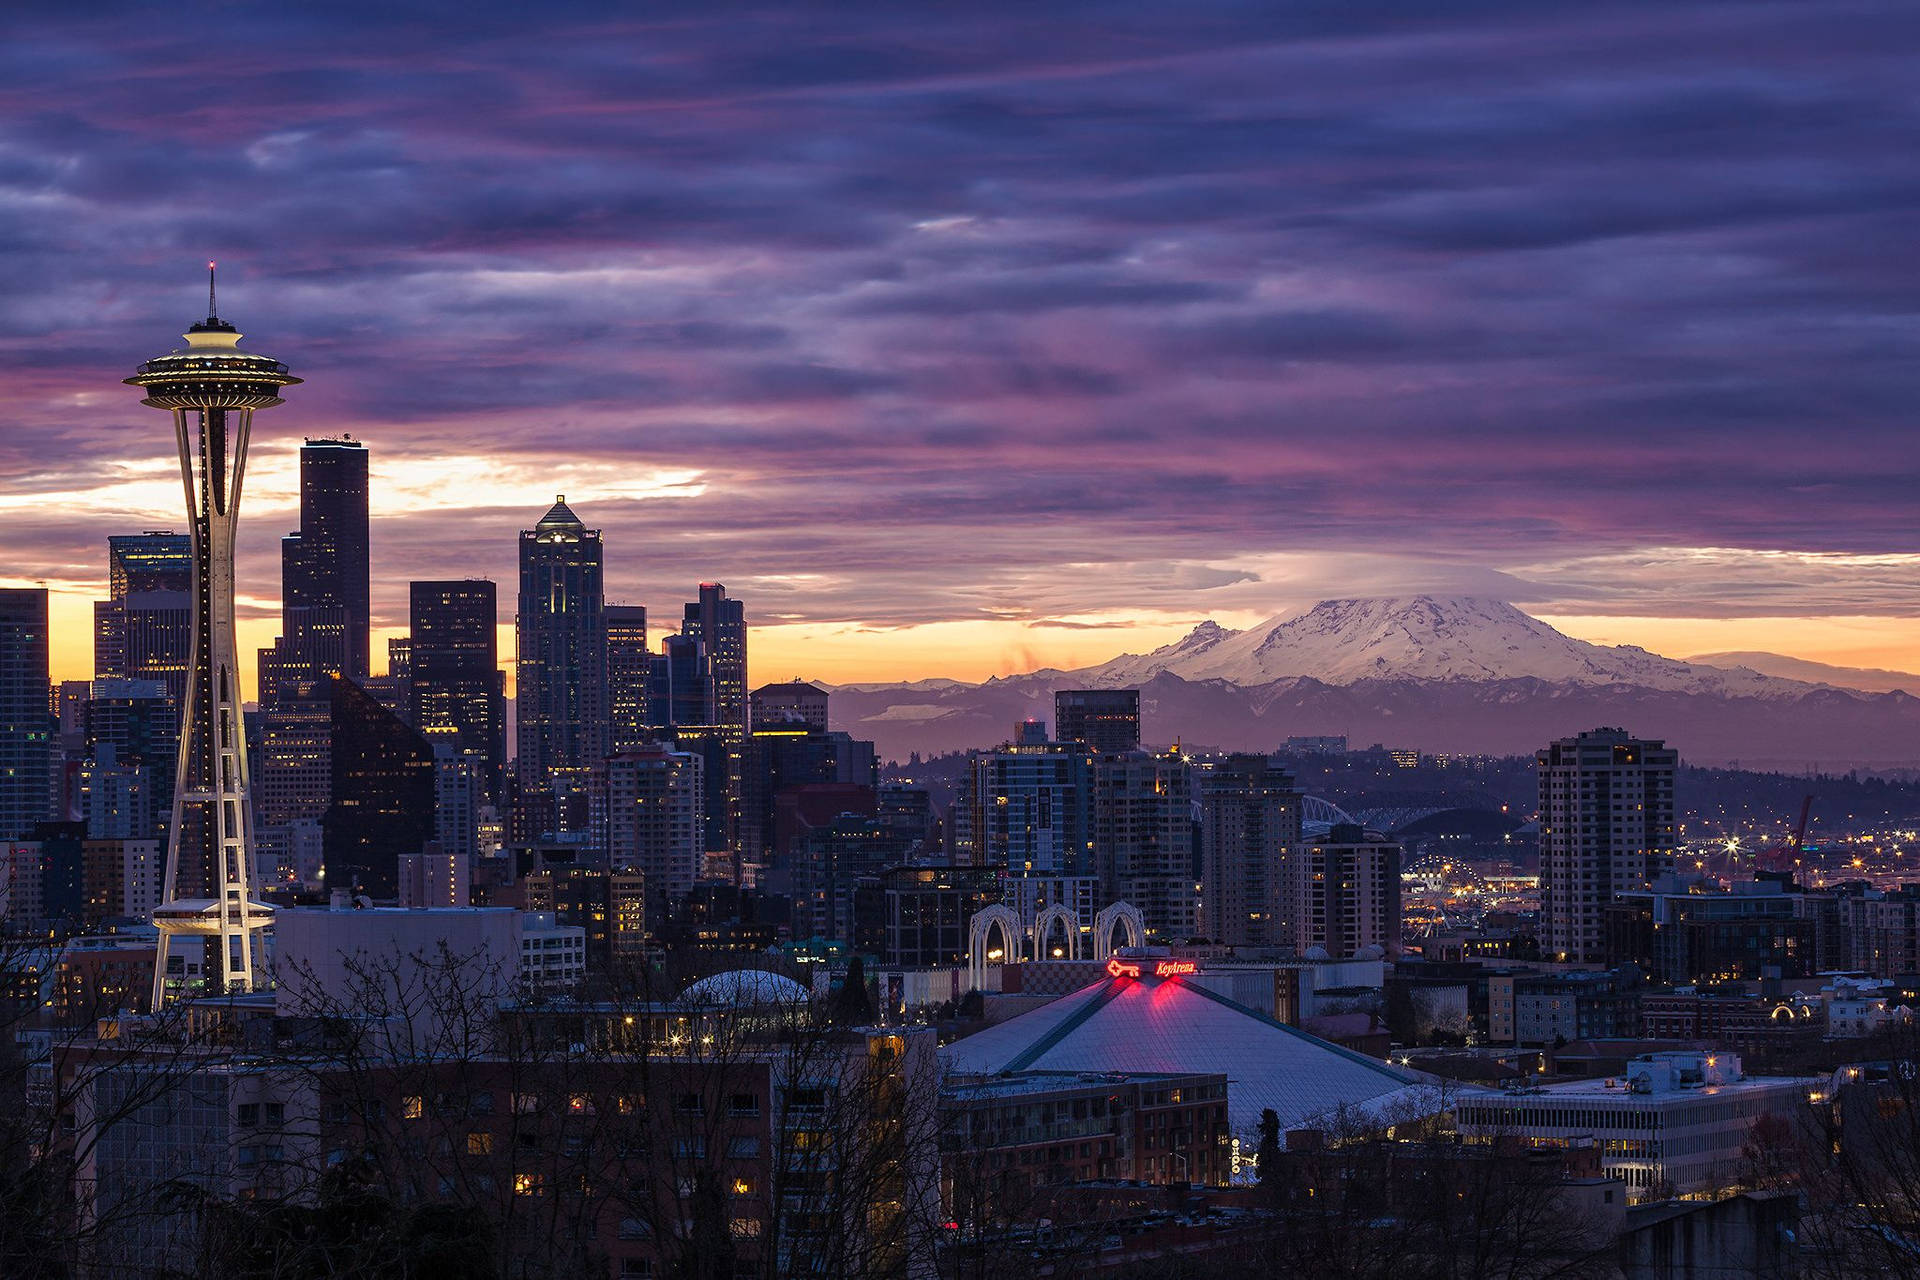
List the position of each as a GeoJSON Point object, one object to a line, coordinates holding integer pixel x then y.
{"type": "Point", "coordinates": [1030, 810]}
{"type": "Point", "coordinates": [26, 711]}
{"type": "Point", "coordinates": [719, 624]}
{"type": "Point", "coordinates": [114, 799]}
{"type": "Point", "coordinates": [453, 666]}
{"type": "Point", "coordinates": [1607, 827]}
{"type": "Point", "coordinates": [561, 728]}
{"type": "Point", "coordinates": [1249, 822]}
{"type": "Point", "coordinates": [1106, 721]}
{"type": "Point", "coordinates": [1142, 839]}
{"type": "Point", "coordinates": [1342, 893]}
{"type": "Point", "coordinates": [653, 819]}
{"type": "Point", "coordinates": [629, 669]}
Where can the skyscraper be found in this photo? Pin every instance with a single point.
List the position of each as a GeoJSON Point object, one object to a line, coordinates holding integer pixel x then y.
{"type": "Point", "coordinates": [1143, 847]}
{"type": "Point", "coordinates": [561, 729]}
{"type": "Point", "coordinates": [1606, 828]}
{"type": "Point", "coordinates": [629, 668]}
{"type": "Point", "coordinates": [157, 560]}
{"type": "Point", "coordinates": [1249, 822]}
{"type": "Point", "coordinates": [653, 819]}
{"type": "Point", "coordinates": [26, 712]}
{"type": "Point", "coordinates": [212, 389]}
{"type": "Point", "coordinates": [719, 625]}
{"type": "Point", "coordinates": [1106, 720]}
{"type": "Point", "coordinates": [677, 686]}
{"type": "Point", "coordinates": [383, 793]}
{"type": "Point", "coordinates": [1030, 810]}
{"type": "Point", "coordinates": [324, 568]}
{"type": "Point", "coordinates": [144, 631]}
{"type": "Point", "coordinates": [1343, 893]}
{"type": "Point", "coordinates": [454, 672]}
{"type": "Point", "coordinates": [324, 571]}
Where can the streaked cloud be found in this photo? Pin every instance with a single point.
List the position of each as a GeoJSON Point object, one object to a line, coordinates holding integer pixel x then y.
{"type": "Point", "coordinates": [1011, 333]}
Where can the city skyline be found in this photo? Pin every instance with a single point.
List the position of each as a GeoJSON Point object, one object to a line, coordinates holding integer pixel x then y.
{"type": "Point", "coordinates": [1192, 319]}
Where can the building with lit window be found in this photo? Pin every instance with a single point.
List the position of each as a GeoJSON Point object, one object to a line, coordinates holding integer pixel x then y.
{"type": "Point", "coordinates": [1142, 839]}
{"type": "Point", "coordinates": [26, 716]}
{"type": "Point", "coordinates": [454, 688]}
{"type": "Point", "coordinates": [653, 819]}
{"type": "Point", "coordinates": [1105, 721]}
{"type": "Point", "coordinates": [1342, 893]}
{"type": "Point", "coordinates": [629, 669]}
{"type": "Point", "coordinates": [609, 906]}
{"type": "Point", "coordinates": [1249, 821]}
{"type": "Point", "coordinates": [1607, 827]}
{"type": "Point", "coordinates": [560, 703]}
{"type": "Point", "coordinates": [1673, 1124]}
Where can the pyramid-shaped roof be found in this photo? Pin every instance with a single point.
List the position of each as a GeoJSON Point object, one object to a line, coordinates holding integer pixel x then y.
{"type": "Point", "coordinates": [1167, 1025]}
{"type": "Point", "coordinates": [559, 514]}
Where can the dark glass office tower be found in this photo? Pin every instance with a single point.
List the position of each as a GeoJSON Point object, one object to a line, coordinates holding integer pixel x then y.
{"type": "Point", "coordinates": [383, 798]}
{"type": "Point", "coordinates": [157, 560]}
{"type": "Point", "coordinates": [324, 568]}
{"type": "Point", "coordinates": [719, 625]}
{"type": "Point", "coordinates": [561, 721]}
{"type": "Point", "coordinates": [1107, 721]}
{"type": "Point", "coordinates": [144, 631]}
{"type": "Point", "coordinates": [453, 666]}
{"type": "Point", "coordinates": [26, 712]}
{"type": "Point", "coordinates": [325, 620]}
{"type": "Point", "coordinates": [628, 671]}
{"type": "Point", "coordinates": [677, 686]}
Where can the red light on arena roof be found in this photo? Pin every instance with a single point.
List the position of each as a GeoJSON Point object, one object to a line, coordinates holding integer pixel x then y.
{"type": "Point", "coordinates": [1119, 968]}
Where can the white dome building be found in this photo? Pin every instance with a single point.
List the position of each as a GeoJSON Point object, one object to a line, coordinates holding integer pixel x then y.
{"type": "Point", "coordinates": [738, 988]}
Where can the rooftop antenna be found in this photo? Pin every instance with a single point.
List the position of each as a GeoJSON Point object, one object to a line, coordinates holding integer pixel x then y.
{"type": "Point", "coordinates": [211, 312]}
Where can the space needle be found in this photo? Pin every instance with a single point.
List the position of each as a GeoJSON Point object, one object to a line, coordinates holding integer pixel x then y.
{"type": "Point", "coordinates": [211, 388]}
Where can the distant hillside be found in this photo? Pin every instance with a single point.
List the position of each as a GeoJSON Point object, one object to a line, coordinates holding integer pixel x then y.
{"type": "Point", "coordinates": [1871, 679]}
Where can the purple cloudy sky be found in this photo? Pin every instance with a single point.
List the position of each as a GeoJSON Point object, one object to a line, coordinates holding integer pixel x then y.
{"type": "Point", "coordinates": [919, 325]}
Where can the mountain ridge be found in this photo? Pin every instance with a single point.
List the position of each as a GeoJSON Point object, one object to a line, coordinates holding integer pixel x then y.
{"type": "Point", "coordinates": [1437, 673]}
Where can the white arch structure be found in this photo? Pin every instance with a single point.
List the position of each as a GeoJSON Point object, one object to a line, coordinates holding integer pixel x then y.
{"type": "Point", "coordinates": [1314, 810]}
{"type": "Point", "coordinates": [1043, 929]}
{"type": "Point", "coordinates": [979, 929]}
{"type": "Point", "coordinates": [1122, 913]}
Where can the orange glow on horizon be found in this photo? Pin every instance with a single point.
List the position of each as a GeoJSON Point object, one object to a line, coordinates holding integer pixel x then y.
{"type": "Point", "coordinates": [974, 650]}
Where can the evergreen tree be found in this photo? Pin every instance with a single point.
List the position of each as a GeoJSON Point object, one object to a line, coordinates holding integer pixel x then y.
{"type": "Point", "coordinates": [1268, 1157]}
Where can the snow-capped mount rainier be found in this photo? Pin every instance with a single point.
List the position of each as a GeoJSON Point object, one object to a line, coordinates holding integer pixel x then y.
{"type": "Point", "coordinates": [1339, 642]}
{"type": "Point", "coordinates": [1437, 673]}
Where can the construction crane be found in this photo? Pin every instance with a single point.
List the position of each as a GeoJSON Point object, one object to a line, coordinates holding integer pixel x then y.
{"type": "Point", "coordinates": [1782, 856]}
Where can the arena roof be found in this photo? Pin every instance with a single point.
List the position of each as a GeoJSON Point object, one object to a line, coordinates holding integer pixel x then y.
{"type": "Point", "coordinates": [1165, 1024]}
